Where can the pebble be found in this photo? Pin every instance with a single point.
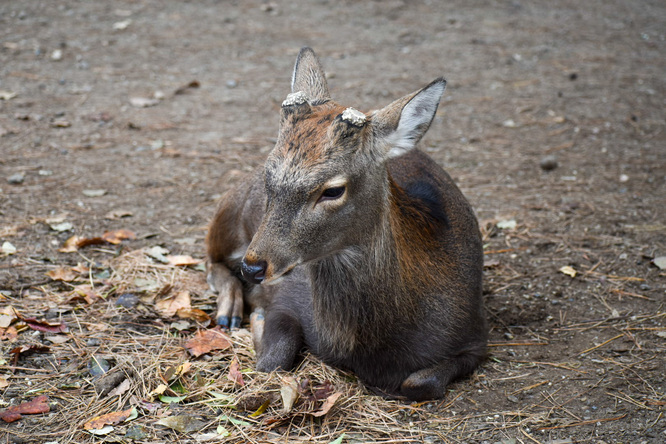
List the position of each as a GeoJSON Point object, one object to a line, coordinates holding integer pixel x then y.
{"type": "Point", "coordinates": [548, 163]}
{"type": "Point", "coordinates": [16, 179]}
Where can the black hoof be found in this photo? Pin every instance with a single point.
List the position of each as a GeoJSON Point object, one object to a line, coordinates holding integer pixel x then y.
{"type": "Point", "coordinates": [223, 321]}
{"type": "Point", "coordinates": [235, 322]}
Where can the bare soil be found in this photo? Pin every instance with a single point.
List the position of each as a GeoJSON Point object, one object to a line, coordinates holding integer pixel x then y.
{"type": "Point", "coordinates": [572, 359]}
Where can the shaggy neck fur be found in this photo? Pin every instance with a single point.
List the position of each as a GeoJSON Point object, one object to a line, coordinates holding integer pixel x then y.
{"type": "Point", "coordinates": [359, 292]}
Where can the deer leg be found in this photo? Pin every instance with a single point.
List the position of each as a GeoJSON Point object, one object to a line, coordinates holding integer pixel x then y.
{"type": "Point", "coordinates": [430, 383]}
{"type": "Point", "coordinates": [281, 341]}
{"type": "Point", "coordinates": [229, 295]}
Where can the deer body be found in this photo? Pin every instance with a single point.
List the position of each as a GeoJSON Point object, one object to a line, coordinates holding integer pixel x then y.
{"type": "Point", "coordinates": [367, 252]}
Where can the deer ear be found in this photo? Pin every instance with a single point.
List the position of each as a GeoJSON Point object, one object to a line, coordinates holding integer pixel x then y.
{"type": "Point", "coordinates": [401, 125]}
{"type": "Point", "coordinates": [309, 76]}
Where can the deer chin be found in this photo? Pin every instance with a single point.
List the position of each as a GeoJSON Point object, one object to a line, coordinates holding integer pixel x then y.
{"type": "Point", "coordinates": [275, 278]}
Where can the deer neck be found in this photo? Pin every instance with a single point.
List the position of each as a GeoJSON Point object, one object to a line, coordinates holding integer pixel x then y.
{"type": "Point", "coordinates": [356, 290]}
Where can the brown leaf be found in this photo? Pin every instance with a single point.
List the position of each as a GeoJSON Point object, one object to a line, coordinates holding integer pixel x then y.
{"type": "Point", "coordinates": [64, 274]}
{"type": "Point", "coordinates": [84, 292]}
{"type": "Point", "coordinates": [116, 236]}
{"type": "Point", "coordinates": [75, 242]}
{"type": "Point", "coordinates": [205, 341]}
{"type": "Point", "coordinates": [45, 326]}
{"type": "Point", "coordinates": [182, 260]}
{"type": "Point", "coordinates": [289, 393]}
{"type": "Point", "coordinates": [169, 306]}
{"type": "Point", "coordinates": [235, 374]}
{"type": "Point", "coordinates": [7, 315]}
{"type": "Point", "coordinates": [120, 389]}
{"type": "Point", "coordinates": [193, 313]}
{"type": "Point", "coordinates": [9, 333]}
{"type": "Point", "coordinates": [327, 404]}
{"type": "Point", "coordinates": [40, 404]}
{"type": "Point", "coordinates": [108, 419]}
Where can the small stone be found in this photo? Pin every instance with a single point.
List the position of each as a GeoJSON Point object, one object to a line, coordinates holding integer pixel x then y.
{"type": "Point", "coordinates": [16, 179]}
{"type": "Point", "coordinates": [56, 55]}
{"type": "Point", "coordinates": [127, 300]}
{"type": "Point", "coordinates": [548, 163]}
{"type": "Point", "coordinates": [232, 84]}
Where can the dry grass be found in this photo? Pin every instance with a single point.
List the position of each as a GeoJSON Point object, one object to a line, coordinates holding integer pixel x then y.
{"type": "Point", "coordinates": [144, 351]}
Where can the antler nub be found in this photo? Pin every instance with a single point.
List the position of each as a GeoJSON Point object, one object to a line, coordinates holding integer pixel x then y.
{"type": "Point", "coordinates": [297, 98]}
{"type": "Point", "coordinates": [353, 116]}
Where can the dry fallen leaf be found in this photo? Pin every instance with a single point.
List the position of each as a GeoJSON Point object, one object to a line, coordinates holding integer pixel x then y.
{"type": "Point", "coordinates": [121, 389]}
{"type": "Point", "coordinates": [569, 271]}
{"type": "Point", "coordinates": [116, 236]}
{"type": "Point", "coordinates": [182, 423]}
{"type": "Point", "coordinates": [108, 419]}
{"type": "Point", "coordinates": [39, 404]}
{"type": "Point", "coordinates": [7, 248]}
{"type": "Point", "coordinates": [205, 341]}
{"type": "Point", "coordinates": [45, 326]}
{"type": "Point", "coordinates": [169, 306]}
{"type": "Point", "coordinates": [8, 334]}
{"type": "Point", "coordinates": [8, 315]}
{"type": "Point", "coordinates": [64, 274]}
{"type": "Point", "coordinates": [330, 401]}
{"type": "Point", "coordinates": [193, 313]}
{"type": "Point", "coordinates": [289, 393]}
{"type": "Point", "coordinates": [182, 260]}
{"type": "Point", "coordinates": [660, 262]}
{"type": "Point", "coordinates": [84, 292]}
{"type": "Point", "coordinates": [7, 95]}
{"type": "Point", "coordinates": [75, 242]}
{"type": "Point", "coordinates": [235, 374]}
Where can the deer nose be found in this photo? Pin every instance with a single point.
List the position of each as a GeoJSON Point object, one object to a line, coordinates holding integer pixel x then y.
{"type": "Point", "coordinates": [254, 273]}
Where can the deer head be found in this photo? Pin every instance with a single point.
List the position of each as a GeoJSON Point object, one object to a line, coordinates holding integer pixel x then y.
{"type": "Point", "coordinates": [326, 180]}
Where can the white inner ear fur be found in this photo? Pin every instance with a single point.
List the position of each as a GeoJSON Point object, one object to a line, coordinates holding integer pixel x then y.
{"type": "Point", "coordinates": [415, 119]}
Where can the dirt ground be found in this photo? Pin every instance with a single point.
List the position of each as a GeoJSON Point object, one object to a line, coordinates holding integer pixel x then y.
{"type": "Point", "coordinates": [137, 115]}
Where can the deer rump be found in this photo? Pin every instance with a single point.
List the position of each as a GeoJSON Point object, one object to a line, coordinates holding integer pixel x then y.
{"type": "Point", "coordinates": [396, 298]}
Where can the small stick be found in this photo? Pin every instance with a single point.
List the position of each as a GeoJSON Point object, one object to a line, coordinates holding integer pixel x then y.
{"type": "Point", "coordinates": [629, 400]}
{"type": "Point", "coordinates": [529, 436]}
{"type": "Point", "coordinates": [590, 421]}
{"type": "Point", "coordinates": [600, 345]}
{"type": "Point", "coordinates": [633, 295]}
{"type": "Point", "coordinates": [538, 384]}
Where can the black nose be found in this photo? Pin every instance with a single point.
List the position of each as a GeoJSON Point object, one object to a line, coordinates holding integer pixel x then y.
{"type": "Point", "coordinates": [254, 273]}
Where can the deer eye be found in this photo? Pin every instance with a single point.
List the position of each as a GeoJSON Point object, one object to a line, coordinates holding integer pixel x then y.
{"type": "Point", "coordinates": [332, 193]}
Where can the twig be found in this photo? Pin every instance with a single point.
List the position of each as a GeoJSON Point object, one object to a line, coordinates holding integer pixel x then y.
{"type": "Point", "coordinates": [600, 345]}
{"type": "Point", "coordinates": [582, 423]}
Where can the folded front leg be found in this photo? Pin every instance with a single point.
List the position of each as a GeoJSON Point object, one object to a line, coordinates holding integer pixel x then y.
{"type": "Point", "coordinates": [281, 341]}
{"type": "Point", "coordinates": [229, 291]}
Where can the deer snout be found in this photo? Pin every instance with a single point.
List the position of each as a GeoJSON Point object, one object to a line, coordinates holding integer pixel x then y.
{"type": "Point", "coordinates": [254, 271]}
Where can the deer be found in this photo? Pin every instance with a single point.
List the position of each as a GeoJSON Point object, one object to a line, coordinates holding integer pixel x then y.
{"type": "Point", "coordinates": [352, 243]}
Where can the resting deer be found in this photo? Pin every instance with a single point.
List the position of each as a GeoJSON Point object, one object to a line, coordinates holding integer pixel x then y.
{"type": "Point", "coordinates": [366, 251]}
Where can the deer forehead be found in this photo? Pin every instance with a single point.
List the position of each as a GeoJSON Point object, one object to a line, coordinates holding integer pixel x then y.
{"type": "Point", "coordinates": [313, 146]}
